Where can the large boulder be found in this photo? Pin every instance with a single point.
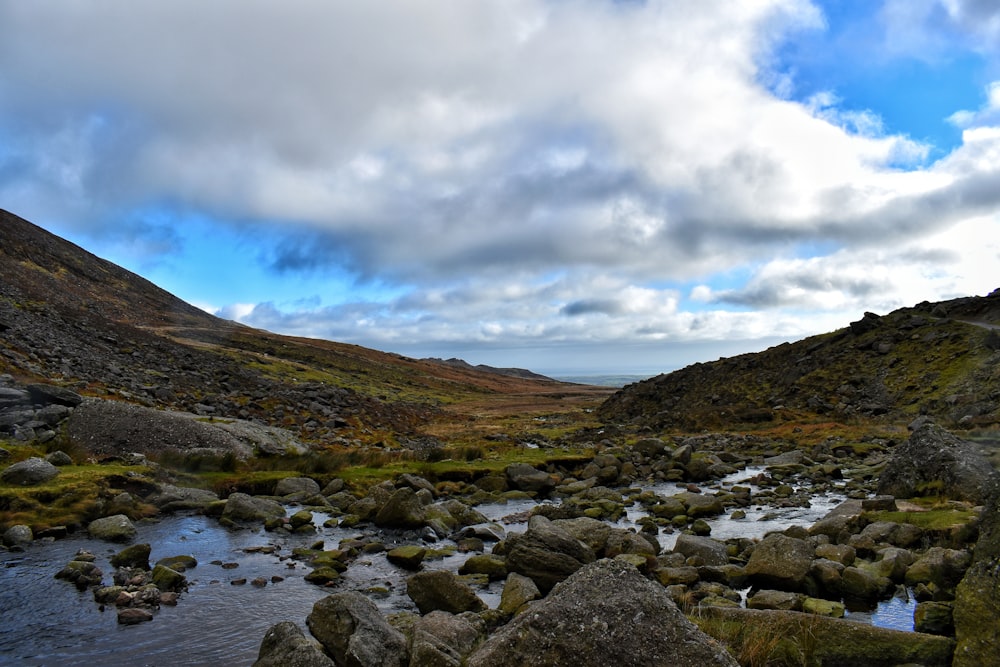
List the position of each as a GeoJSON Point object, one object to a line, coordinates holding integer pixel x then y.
{"type": "Point", "coordinates": [546, 553]}
{"type": "Point", "coordinates": [940, 566]}
{"type": "Point", "coordinates": [285, 645]}
{"type": "Point", "coordinates": [935, 462]}
{"type": "Point", "coordinates": [170, 498]}
{"type": "Point", "coordinates": [524, 477]}
{"type": "Point", "coordinates": [442, 639]}
{"type": "Point", "coordinates": [709, 551]}
{"type": "Point", "coordinates": [29, 472]}
{"type": "Point", "coordinates": [780, 562]}
{"type": "Point", "coordinates": [244, 508]}
{"type": "Point", "coordinates": [605, 614]}
{"type": "Point", "coordinates": [442, 590]}
{"type": "Point", "coordinates": [403, 509]}
{"type": "Point", "coordinates": [352, 630]}
{"type": "Point", "coordinates": [114, 528]}
{"type": "Point", "coordinates": [17, 537]}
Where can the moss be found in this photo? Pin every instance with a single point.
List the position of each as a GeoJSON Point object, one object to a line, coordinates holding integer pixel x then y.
{"type": "Point", "coordinates": [932, 519]}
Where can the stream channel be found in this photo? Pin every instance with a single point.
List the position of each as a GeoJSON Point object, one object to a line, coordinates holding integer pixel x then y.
{"type": "Point", "coordinates": [48, 622]}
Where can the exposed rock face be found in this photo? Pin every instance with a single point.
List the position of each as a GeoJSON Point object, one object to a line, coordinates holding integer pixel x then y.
{"type": "Point", "coordinates": [780, 562]}
{"type": "Point", "coordinates": [115, 528]}
{"type": "Point", "coordinates": [354, 632]}
{"type": "Point", "coordinates": [29, 472]}
{"type": "Point", "coordinates": [605, 614]}
{"type": "Point", "coordinates": [935, 461]}
{"type": "Point", "coordinates": [285, 645]}
{"type": "Point", "coordinates": [546, 553]}
{"type": "Point", "coordinates": [442, 590]}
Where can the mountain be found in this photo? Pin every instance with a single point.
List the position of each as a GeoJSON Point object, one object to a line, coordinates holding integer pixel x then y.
{"type": "Point", "coordinates": [936, 359]}
{"type": "Point", "coordinates": [74, 319]}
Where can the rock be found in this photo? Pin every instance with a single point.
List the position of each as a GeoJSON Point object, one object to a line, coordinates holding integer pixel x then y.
{"type": "Point", "coordinates": [840, 553]}
{"type": "Point", "coordinates": [333, 487]}
{"type": "Point", "coordinates": [523, 477]}
{"type": "Point", "coordinates": [321, 576]}
{"type": "Point", "coordinates": [977, 598]}
{"type": "Point", "coordinates": [136, 556]}
{"type": "Point", "coordinates": [604, 614]}
{"type": "Point", "coordinates": [822, 607]}
{"type": "Point", "coordinates": [780, 562]}
{"type": "Point", "coordinates": [859, 584]}
{"type": "Point", "coordinates": [17, 537]}
{"type": "Point", "coordinates": [59, 459]}
{"type": "Point", "coordinates": [114, 528]}
{"type": "Point", "coordinates": [403, 509]}
{"type": "Point", "coordinates": [492, 566]}
{"type": "Point", "coordinates": [29, 472]}
{"type": "Point", "coordinates": [546, 553]}
{"type": "Point", "coordinates": [943, 567]}
{"type": "Point", "coordinates": [442, 590]}
{"type": "Point", "coordinates": [172, 498]}
{"type": "Point", "coordinates": [133, 616]}
{"type": "Point", "coordinates": [700, 505]}
{"type": "Point", "coordinates": [81, 573]}
{"type": "Point", "coordinates": [441, 639]}
{"type": "Point", "coordinates": [711, 552]}
{"type": "Point", "coordinates": [407, 556]}
{"type": "Point", "coordinates": [179, 563]}
{"type": "Point", "coordinates": [933, 461]}
{"type": "Point", "coordinates": [168, 580]}
{"type": "Point", "coordinates": [353, 631]}
{"type": "Point", "coordinates": [934, 618]}
{"type": "Point", "coordinates": [518, 590]}
{"type": "Point", "coordinates": [243, 508]}
{"type": "Point", "coordinates": [488, 532]}
{"type": "Point", "coordinates": [416, 483]}
{"type": "Point", "coordinates": [592, 532]}
{"type": "Point", "coordinates": [51, 394]}
{"type": "Point", "coordinates": [285, 645]}
{"type": "Point", "coordinates": [767, 599]}
{"type": "Point", "coordinates": [296, 485]}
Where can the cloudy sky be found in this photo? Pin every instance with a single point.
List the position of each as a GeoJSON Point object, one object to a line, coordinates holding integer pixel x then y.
{"type": "Point", "coordinates": [573, 186]}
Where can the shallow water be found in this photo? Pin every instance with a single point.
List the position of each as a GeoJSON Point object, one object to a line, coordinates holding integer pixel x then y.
{"type": "Point", "coordinates": [48, 622]}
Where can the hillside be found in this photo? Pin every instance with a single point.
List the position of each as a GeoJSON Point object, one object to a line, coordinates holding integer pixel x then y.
{"type": "Point", "coordinates": [70, 318]}
{"type": "Point", "coordinates": [938, 359]}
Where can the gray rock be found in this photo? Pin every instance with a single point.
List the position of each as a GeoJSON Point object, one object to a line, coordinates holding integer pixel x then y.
{"type": "Point", "coordinates": [768, 599]}
{"type": "Point", "coordinates": [442, 590]}
{"type": "Point", "coordinates": [59, 459]}
{"type": "Point", "coordinates": [780, 562]}
{"type": "Point", "coordinates": [134, 616]}
{"type": "Point", "coordinates": [523, 477]}
{"type": "Point", "coordinates": [518, 590]}
{"type": "Point", "coordinates": [47, 393]}
{"type": "Point", "coordinates": [167, 579]}
{"type": "Point", "coordinates": [711, 552]}
{"type": "Point", "coordinates": [29, 472]}
{"type": "Point", "coordinates": [352, 630]}
{"type": "Point", "coordinates": [605, 614]}
{"type": "Point", "coordinates": [935, 461]}
{"type": "Point", "coordinates": [136, 556]}
{"type": "Point", "coordinates": [944, 567]}
{"type": "Point", "coordinates": [172, 498]}
{"type": "Point", "coordinates": [296, 485]}
{"type": "Point", "coordinates": [17, 537]}
{"type": "Point", "coordinates": [441, 639]}
{"type": "Point", "coordinates": [243, 508]}
{"type": "Point", "coordinates": [934, 618]}
{"type": "Point", "coordinates": [285, 645]}
{"type": "Point", "coordinates": [403, 509]}
{"type": "Point", "coordinates": [114, 528]}
{"type": "Point", "coordinates": [546, 553]}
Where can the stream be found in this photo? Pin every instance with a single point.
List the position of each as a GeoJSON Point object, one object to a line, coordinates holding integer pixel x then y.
{"type": "Point", "coordinates": [48, 622]}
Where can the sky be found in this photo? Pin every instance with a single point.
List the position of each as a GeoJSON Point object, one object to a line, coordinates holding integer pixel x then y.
{"type": "Point", "coordinates": [572, 186]}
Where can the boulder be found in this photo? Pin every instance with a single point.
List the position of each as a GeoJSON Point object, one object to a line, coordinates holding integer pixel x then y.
{"type": "Point", "coordinates": [780, 562]}
{"type": "Point", "coordinates": [546, 553]}
{"type": "Point", "coordinates": [114, 528]}
{"type": "Point", "coordinates": [181, 563]}
{"type": "Point", "coordinates": [711, 552]}
{"type": "Point", "coordinates": [840, 553]}
{"type": "Point", "coordinates": [297, 485]}
{"type": "Point", "coordinates": [442, 639]}
{"type": "Point", "coordinates": [492, 566]}
{"type": "Point", "coordinates": [170, 498]}
{"type": "Point", "coordinates": [768, 599]}
{"type": "Point", "coordinates": [518, 590]}
{"type": "Point", "coordinates": [134, 616]}
{"type": "Point", "coordinates": [29, 472]}
{"type": "Point", "coordinates": [859, 584]}
{"type": "Point", "coordinates": [53, 395]}
{"type": "Point", "coordinates": [403, 509]}
{"type": "Point", "coordinates": [17, 537]}
{"type": "Point", "coordinates": [604, 614]}
{"type": "Point", "coordinates": [933, 461]}
{"type": "Point", "coordinates": [285, 645]}
{"type": "Point", "coordinates": [943, 567]}
{"type": "Point", "coordinates": [934, 618]}
{"type": "Point", "coordinates": [977, 598]}
{"type": "Point", "coordinates": [442, 590]}
{"type": "Point", "coordinates": [407, 556]}
{"type": "Point", "coordinates": [243, 508]}
{"type": "Point", "coordinates": [353, 631]}
{"type": "Point", "coordinates": [523, 477]}
{"type": "Point", "coordinates": [136, 556]}
{"type": "Point", "coordinates": [167, 579]}
{"type": "Point", "coordinates": [59, 459]}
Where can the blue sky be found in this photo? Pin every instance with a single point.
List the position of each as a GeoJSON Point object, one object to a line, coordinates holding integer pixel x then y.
{"type": "Point", "coordinates": [573, 186]}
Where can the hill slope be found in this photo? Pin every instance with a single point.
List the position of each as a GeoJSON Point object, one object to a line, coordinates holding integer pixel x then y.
{"type": "Point", "coordinates": [69, 317]}
{"type": "Point", "coordinates": [937, 359]}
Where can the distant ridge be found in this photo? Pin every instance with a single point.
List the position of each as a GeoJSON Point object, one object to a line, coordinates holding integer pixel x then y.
{"type": "Point", "coordinates": [522, 373]}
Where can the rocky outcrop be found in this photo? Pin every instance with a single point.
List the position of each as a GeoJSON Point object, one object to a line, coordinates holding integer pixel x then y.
{"type": "Point", "coordinates": [353, 631]}
{"type": "Point", "coordinates": [546, 553]}
{"type": "Point", "coordinates": [605, 614]}
{"type": "Point", "coordinates": [284, 645]}
{"type": "Point", "coordinates": [935, 462]}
